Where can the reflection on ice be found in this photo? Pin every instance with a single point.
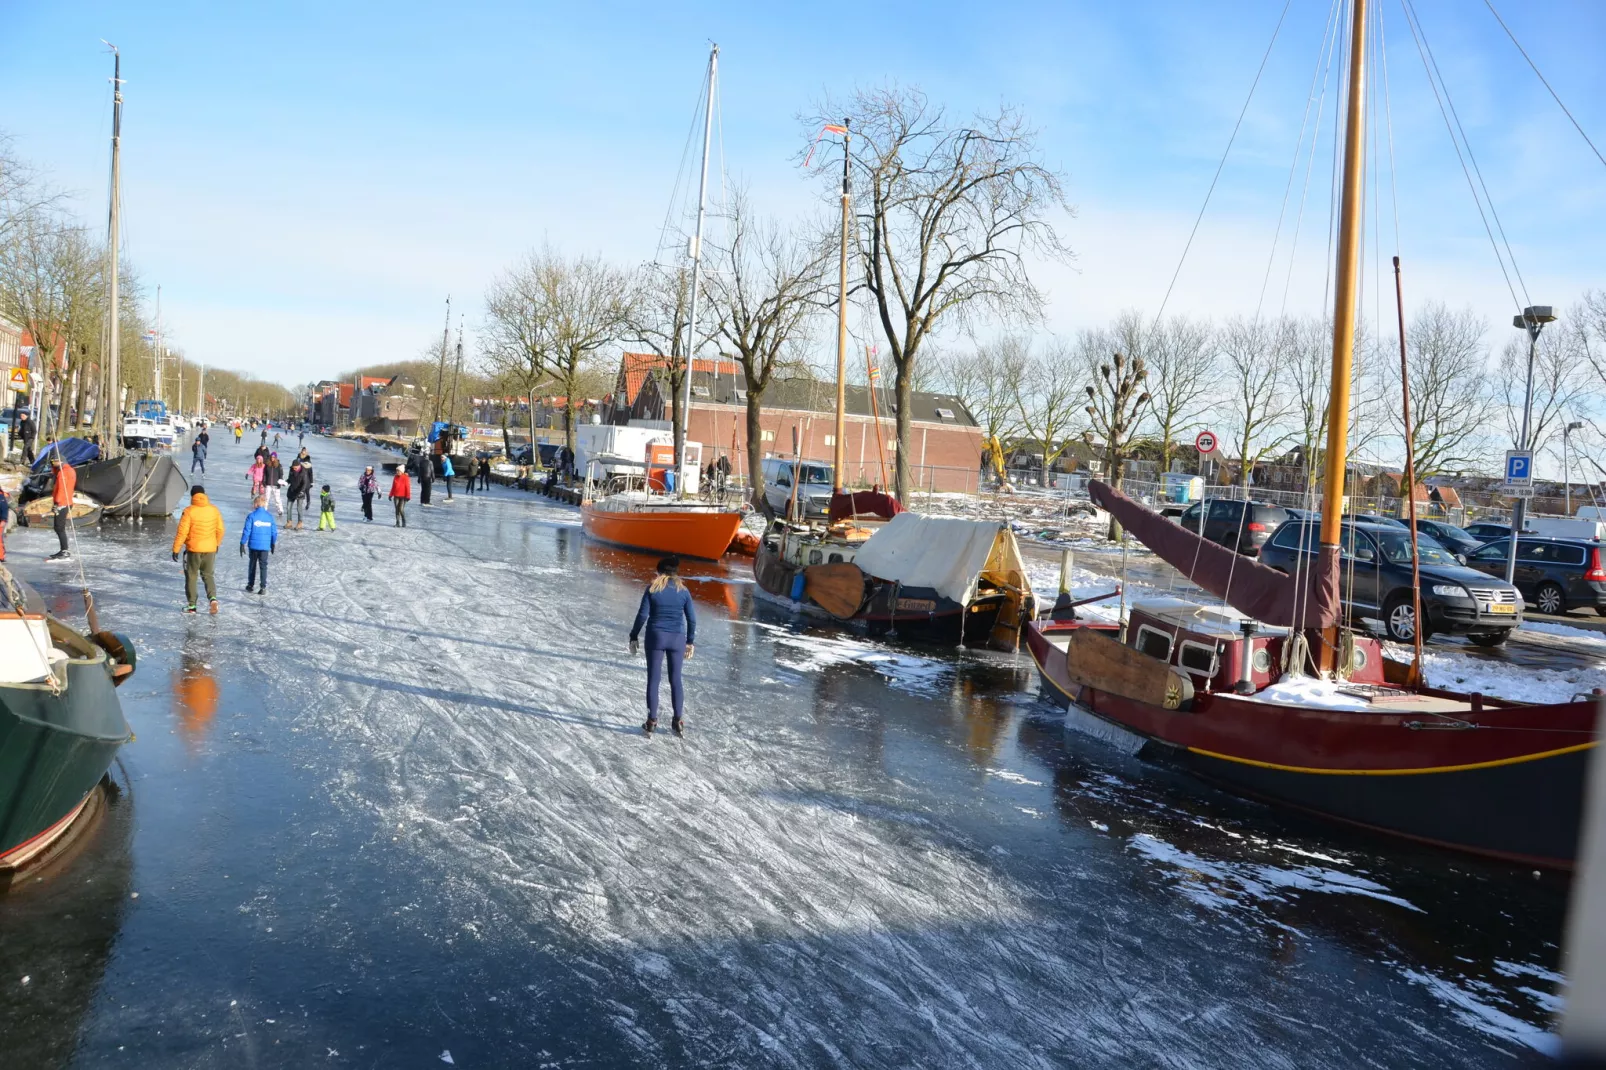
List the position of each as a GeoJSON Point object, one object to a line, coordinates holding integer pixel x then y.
{"type": "Point", "coordinates": [805, 652]}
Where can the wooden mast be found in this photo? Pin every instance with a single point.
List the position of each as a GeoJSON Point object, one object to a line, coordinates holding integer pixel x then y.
{"type": "Point", "coordinates": [111, 392]}
{"type": "Point", "coordinates": [838, 456]}
{"type": "Point", "coordinates": [1346, 293]}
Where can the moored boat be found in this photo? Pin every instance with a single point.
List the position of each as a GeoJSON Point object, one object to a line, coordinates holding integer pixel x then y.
{"type": "Point", "coordinates": [1467, 772]}
{"type": "Point", "coordinates": [939, 579]}
{"type": "Point", "coordinates": [60, 720]}
{"type": "Point", "coordinates": [642, 520]}
{"type": "Point", "coordinates": [134, 484]}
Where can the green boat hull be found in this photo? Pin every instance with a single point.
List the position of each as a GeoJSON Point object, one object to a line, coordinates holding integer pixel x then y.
{"type": "Point", "coordinates": [54, 748]}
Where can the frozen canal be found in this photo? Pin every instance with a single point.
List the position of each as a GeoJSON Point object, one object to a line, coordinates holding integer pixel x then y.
{"type": "Point", "coordinates": [399, 813]}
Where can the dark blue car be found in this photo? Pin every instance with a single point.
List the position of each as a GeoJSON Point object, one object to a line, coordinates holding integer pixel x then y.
{"type": "Point", "coordinates": [1553, 574]}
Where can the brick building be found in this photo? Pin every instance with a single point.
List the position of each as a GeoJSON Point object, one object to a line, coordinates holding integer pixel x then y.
{"type": "Point", "coordinates": [945, 444]}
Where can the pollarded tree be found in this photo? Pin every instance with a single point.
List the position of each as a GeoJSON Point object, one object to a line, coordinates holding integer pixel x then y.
{"type": "Point", "coordinates": [949, 214]}
{"type": "Point", "coordinates": [1117, 394]}
{"type": "Point", "coordinates": [1183, 369]}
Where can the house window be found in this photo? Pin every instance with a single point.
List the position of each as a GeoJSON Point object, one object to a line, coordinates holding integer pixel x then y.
{"type": "Point", "coordinates": [701, 391]}
{"type": "Point", "coordinates": [830, 440]}
{"type": "Point", "coordinates": [946, 414]}
{"type": "Point", "coordinates": [892, 445]}
{"type": "Point", "coordinates": [741, 395]}
{"type": "Point", "coordinates": [766, 436]}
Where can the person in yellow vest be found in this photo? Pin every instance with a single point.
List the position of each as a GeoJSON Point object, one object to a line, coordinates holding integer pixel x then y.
{"type": "Point", "coordinates": [200, 533]}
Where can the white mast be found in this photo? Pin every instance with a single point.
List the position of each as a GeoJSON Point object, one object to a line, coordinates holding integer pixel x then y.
{"type": "Point", "coordinates": [684, 414]}
{"type": "Point", "coordinates": [158, 351]}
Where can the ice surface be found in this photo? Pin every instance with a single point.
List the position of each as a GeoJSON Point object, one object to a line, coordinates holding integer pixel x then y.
{"type": "Point", "coordinates": [862, 854]}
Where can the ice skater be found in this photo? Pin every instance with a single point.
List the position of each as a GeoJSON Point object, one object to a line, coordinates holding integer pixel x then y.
{"type": "Point", "coordinates": [446, 473]}
{"type": "Point", "coordinates": [198, 456]}
{"type": "Point", "coordinates": [61, 501]}
{"type": "Point", "coordinates": [401, 489]}
{"type": "Point", "coordinates": [273, 482]}
{"type": "Point", "coordinates": [259, 538]}
{"type": "Point", "coordinates": [299, 495]}
{"type": "Point", "coordinates": [326, 510]}
{"type": "Point", "coordinates": [368, 486]}
{"type": "Point", "coordinates": [256, 473]}
{"type": "Point", "coordinates": [200, 533]}
{"type": "Point", "coordinates": [671, 622]}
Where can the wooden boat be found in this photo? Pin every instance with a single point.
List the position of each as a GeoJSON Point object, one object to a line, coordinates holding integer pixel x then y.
{"type": "Point", "coordinates": [1291, 705]}
{"type": "Point", "coordinates": [85, 511]}
{"type": "Point", "coordinates": [940, 580]}
{"type": "Point", "coordinates": [640, 520]}
{"type": "Point", "coordinates": [1467, 772]}
{"type": "Point", "coordinates": [60, 721]}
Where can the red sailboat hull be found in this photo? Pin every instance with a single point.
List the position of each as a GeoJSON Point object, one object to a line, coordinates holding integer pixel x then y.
{"type": "Point", "coordinates": [1502, 780]}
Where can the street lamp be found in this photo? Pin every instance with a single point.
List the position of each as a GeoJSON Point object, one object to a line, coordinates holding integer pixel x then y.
{"type": "Point", "coordinates": [1566, 466]}
{"type": "Point", "coordinates": [1532, 319]}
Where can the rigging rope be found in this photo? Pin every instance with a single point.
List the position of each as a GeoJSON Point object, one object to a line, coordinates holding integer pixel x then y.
{"type": "Point", "coordinates": [1435, 80]}
{"type": "Point", "coordinates": [1223, 163]}
{"type": "Point", "coordinates": [1543, 81]}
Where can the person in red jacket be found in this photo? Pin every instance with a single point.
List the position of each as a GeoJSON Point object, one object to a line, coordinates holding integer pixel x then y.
{"type": "Point", "coordinates": [401, 490]}
{"type": "Point", "coordinates": [61, 500]}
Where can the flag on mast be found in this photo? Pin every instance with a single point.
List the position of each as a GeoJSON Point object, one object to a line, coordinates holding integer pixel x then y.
{"type": "Point", "coordinates": [828, 128]}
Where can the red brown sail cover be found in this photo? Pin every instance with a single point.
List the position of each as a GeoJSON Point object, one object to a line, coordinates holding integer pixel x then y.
{"type": "Point", "coordinates": [1263, 593]}
{"type": "Point", "coordinates": [848, 504]}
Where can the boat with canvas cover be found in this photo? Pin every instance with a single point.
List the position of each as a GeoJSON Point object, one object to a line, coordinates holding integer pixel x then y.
{"type": "Point", "coordinates": [940, 579]}
{"type": "Point", "coordinates": [1272, 694]}
{"type": "Point", "coordinates": [134, 484]}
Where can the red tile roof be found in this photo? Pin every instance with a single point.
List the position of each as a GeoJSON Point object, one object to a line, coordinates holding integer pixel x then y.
{"type": "Point", "coordinates": [635, 367]}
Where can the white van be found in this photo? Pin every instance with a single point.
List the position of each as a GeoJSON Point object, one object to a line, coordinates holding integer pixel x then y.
{"type": "Point", "coordinates": [813, 496]}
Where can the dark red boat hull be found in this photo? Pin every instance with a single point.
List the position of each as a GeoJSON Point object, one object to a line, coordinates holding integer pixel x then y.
{"type": "Point", "coordinates": [1505, 780]}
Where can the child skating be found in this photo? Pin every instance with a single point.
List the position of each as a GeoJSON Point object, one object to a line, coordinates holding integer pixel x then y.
{"type": "Point", "coordinates": [326, 510]}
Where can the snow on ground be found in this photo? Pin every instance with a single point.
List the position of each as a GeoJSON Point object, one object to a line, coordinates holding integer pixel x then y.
{"type": "Point", "coordinates": [1038, 516]}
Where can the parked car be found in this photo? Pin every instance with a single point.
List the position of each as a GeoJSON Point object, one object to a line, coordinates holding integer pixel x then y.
{"type": "Point", "coordinates": [1375, 518]}
{"type": "Point", "coordinates": [813, 495]}
{"type": "Point", "coordinates": [1449, 536]}
{"type": "Point", "coordinates": [1553, 574]}
{"type": "Point", "coordinates": [1225, 521]}
{"type": "Point", "coordinates": [1376, 582]}
{"type": "Point", "coordinates": [1485, 531]}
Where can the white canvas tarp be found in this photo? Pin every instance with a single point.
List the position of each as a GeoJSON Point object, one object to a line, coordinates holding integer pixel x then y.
{"type": "Point", "coordinates": [947, 553]}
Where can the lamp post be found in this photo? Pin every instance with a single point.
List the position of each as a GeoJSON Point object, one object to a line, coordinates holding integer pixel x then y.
{"type": "Point", "coordinates": [1566, 465]}
{"type": "Point", "coordinates": [1532, 319]}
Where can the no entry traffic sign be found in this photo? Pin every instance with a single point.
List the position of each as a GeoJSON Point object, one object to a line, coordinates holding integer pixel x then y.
{"type": "Point", "coordinates": [1206, 442]}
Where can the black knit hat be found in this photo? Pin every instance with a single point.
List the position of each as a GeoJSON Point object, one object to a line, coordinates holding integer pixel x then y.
{"type": "Point", "coordinates": [669, 566]}
{"type": "Point", "coordinates": [197, 489]}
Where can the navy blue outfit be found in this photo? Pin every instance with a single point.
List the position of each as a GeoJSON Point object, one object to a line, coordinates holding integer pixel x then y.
{"type": "Point", "coordinates": [259, 535]}
{"type": "Point", "coordinates": [671, 625]}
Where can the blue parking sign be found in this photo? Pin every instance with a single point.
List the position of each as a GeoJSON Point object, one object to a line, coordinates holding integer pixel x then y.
{"type": "Point", "coordinates": [1519, 467]}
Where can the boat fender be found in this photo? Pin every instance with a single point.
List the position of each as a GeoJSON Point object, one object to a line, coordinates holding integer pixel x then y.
{"type": "Point", "coordinates": [120, 649]}
{"type": "Point", "coordinates": [797, 586]}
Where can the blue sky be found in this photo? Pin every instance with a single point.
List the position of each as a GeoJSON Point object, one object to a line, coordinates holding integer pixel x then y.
{"type": "Point", "coordinates": [308, 181]}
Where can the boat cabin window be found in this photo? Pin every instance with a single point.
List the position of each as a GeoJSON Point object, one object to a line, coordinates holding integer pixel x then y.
{"type": "Point", "coordinates": [1154, 642]}
{"type": "Point", "coordinates": [1197, 658]}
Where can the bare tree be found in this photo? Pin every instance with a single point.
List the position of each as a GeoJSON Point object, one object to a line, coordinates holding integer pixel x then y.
{"type": "Point", "coordinates": [988, 382]}
{"type": "Point", "coordinates": [660, 320]}
{"type": "Point", "coordinates": [549, 317]}
{"type": "Point", "coordinates": [1559, 392]}
{"type": "Point", "coordinates": [1451, 405]}
{"type": "Point", "coordinates": [948, 214]}
{"type": "Point", "coordinates": [1183, 369]}
{"type": "Point", "coordinates": [1117, 394]}
{"type": "Point", "coordinates": [765, 285]}
{"type": "Point", "coordinates": [1256, 398]}
{"type": "Point", "coordinates": [1048, 395]}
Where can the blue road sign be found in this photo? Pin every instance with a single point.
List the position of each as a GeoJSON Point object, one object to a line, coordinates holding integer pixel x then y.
{"type": "Point", "coordinates": [1519, 468]}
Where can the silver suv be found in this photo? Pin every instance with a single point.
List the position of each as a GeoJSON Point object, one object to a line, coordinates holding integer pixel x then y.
{"type": "Point", "coordinates": [813, 495]}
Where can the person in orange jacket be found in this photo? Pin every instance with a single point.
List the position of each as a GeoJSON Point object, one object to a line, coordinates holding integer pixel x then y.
{"type": "Point", "coordinates": [61, 500]}
{"type": "Point", "coordinates": [401, 489]}
{"type": "Point", "coordinates": [200, 533]}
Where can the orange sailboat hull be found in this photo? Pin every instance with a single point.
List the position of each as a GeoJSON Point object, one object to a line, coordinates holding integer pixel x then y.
{"type": "Point", "coordinates": [689, 533]}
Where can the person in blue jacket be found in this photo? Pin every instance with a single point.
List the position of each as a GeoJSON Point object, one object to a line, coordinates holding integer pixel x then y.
{"type": "Point", "coordinates": [671, 622]}
{"type": "Point", "coordinates": [259, 536]}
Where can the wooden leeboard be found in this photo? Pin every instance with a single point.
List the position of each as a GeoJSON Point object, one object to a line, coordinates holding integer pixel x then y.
{"type": "Point", "coordinates": [1094, 659]}
{"type": "Point", "coordinates": [836, 588]}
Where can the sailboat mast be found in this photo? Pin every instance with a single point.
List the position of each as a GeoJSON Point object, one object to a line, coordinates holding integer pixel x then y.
{"type": "Point", "coordinates": [683, 416]}
{"type": "Point", "coordinates": [440, 365]}
{"type": "Point", "coordinates": [837, 454]}
{"type": "Point", "coordinates": [110, 395]}
{"type": "Point", "coordinates": [1346, 293]}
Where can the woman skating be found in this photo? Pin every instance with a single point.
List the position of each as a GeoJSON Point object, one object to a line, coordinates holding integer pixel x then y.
{"type": "Point", "coordinates": [671, 622]}
{"type": "Point", "coordinates": [401, 489]}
